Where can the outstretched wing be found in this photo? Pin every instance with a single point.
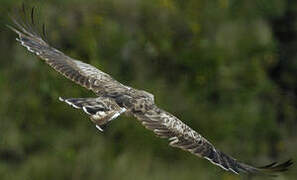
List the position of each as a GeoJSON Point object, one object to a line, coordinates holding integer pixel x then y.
{"type": "Point", "coordinates": [77, 71]}
{"type": "Point", "coordinates": [161, 122]}
{"type": "Point", "coordinates": [182, 136]}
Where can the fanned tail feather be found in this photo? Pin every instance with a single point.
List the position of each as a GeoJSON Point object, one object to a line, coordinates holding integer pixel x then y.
{"type": "Point", "coordinates": [101, 110]}
{"type": "Point", "coordinates": [91, 106]}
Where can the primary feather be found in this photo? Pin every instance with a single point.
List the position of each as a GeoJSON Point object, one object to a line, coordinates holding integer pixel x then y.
{"type": "Point", "coordinates": [139, 104]}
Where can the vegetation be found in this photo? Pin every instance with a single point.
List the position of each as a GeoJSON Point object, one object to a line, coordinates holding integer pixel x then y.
{"type": "Point", "coordinates": [227, 68]}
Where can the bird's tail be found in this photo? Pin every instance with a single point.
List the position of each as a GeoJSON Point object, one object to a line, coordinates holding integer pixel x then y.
{"type": "Point", "coordinates": [101, 110]}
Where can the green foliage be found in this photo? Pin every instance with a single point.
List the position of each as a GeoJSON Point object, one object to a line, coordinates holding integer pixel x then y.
{"type": "Point", "coordinates": [217, 65]}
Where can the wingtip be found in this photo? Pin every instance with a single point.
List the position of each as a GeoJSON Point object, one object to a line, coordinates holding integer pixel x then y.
{"type": "Point", "coordinates": [13, 29]}
{"type": "Point", "coordinates": [277, 167]}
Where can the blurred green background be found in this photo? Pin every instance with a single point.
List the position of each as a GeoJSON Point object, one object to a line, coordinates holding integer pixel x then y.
{"type": "Point", "coordinates": [227, 68]}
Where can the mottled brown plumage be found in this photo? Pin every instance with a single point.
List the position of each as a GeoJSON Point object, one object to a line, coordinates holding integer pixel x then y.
{"type": "Point", "coordinates": [115, 98]}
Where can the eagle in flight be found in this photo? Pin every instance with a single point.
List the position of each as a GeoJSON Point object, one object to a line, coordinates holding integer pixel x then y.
{"type": "Point", "coordinates": [114, 98]}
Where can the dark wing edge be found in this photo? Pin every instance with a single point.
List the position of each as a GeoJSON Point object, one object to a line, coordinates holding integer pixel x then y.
{"type": "Point", "coordinates": [165, 125]}
{"type": "Point", "coordinates": [77, 71]}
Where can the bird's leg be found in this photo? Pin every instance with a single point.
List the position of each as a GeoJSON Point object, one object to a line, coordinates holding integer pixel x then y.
{"type": "Point", "coordinates": [101, 110]}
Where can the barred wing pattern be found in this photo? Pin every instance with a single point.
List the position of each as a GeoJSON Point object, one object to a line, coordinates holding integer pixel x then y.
{"type": "Point", "coordinates": [165, 125]}
{"type": "Point", "coordinates": [159, 121]}
{"type": "Point", "coordinates": [77, 71]}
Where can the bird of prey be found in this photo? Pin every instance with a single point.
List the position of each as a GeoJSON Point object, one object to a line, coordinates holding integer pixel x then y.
{"type": "Point", "coordinates": [114, 98]}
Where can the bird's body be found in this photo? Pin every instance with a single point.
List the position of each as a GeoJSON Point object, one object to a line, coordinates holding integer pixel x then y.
{"type": "Point", "coordinates": [115, 98]}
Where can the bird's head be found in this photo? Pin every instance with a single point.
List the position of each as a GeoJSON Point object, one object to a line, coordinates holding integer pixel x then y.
{"type": "Point", "coordinates": [147, 95]}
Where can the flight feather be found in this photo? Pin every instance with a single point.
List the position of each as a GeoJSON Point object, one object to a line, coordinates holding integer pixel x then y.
{"type": "Point", "coordinates": [139, 104]}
